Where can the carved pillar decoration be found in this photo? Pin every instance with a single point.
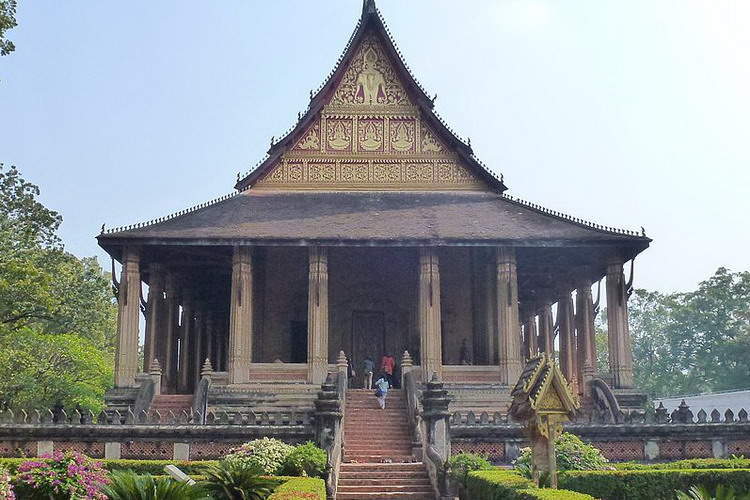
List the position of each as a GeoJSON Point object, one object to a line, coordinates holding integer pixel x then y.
{"type": "Point", "coordinates": [567, 337]}
{"type": "Point", "coordinates": [210, 339]}
{"type": "Point", "coordinates": [153, 343]}
{"type": "Point", "coordinates": [618, 332]}
{"type": "Point", "coordinates": [586, 332]}
{"type": "Point", "coordinates": [430, 334]}
{"type": "Point", "coordinates": [170, 329]}
{"type": "Point", "coordinates": [197, 358]}
{"type": "Point", "coordinates": [186, 344]}
{"type": "Point", "coordinates": [317, 316]}
{"type": "Point", "coordinates": [508, 331]}
{"type": "Point", "coordinates": [546, 327]}
{"type": "Point", "coordinates": [241, 316]}
{"type": "Point", "coordinates": [531, 335]}
{"type": "Point", "coordinates": [128, 309]}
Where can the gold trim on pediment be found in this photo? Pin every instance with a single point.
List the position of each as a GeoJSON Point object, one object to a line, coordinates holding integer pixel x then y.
{"type": "Point", "coordinates": [371, 111]}
{"type": "Point", "coordinates": [358, 173]}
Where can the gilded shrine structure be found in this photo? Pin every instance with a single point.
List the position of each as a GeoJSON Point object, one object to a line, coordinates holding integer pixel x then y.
{"type": "Point", "coordinates": [369, 228]}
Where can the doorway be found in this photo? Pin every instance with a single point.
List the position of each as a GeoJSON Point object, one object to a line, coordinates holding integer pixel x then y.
{"type": "Point", "coordinates": [368, 339]}
{"type": "Point", "coordinates": [299, 342]}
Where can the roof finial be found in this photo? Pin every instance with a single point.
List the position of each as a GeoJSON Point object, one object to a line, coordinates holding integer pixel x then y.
{"type": "Point", "coordinates": [368, 6]}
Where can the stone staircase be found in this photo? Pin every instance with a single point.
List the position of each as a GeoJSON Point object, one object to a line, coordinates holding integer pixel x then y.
{"type": "Point", "coordinates": [378, 461]}
{"type": "Point", "coordinates": [176, 403]}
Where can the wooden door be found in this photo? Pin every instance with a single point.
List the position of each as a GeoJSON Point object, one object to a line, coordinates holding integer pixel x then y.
{"type": "Point", "coordinates": [368, 339]}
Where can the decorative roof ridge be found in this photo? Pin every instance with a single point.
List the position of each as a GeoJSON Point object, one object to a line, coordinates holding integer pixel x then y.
{"type": "Point", "coordinates": [424, 102]}
{"type": "Point", "coordinates": [574, 220]}
{"type": "Point", "coordinates": [173, 215]}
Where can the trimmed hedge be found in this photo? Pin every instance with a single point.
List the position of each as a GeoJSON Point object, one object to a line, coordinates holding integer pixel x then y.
{"type": "Point", "coordinates": [153, 467]}
{"type": "Point", "coordinates": [504, 484]}
{"type": "Point", "coordinates": [300, 488]}
{"type": "Point", "coordinates": [653, 484]}
{"type": "Point", "coordinates": [694, 463]}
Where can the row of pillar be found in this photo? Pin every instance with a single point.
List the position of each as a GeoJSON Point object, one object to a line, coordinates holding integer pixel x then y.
{"type": "Point", "coordinates": [181, 331]}
{"type": "Point", "coordinates": [198, 335]}
{"type": "Point", "coordinates": [576, 340]}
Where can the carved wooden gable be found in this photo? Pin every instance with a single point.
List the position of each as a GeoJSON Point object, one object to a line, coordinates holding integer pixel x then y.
{"type": "Point", "coordinates": [370, 135]}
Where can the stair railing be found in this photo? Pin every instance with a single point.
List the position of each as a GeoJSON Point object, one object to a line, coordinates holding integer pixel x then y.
{"type": "Point", "coordinates": [329, 414]}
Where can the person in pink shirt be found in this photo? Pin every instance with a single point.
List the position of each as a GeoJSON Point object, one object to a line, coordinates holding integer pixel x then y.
{"type": "Point", "coordinates": [387, 366]}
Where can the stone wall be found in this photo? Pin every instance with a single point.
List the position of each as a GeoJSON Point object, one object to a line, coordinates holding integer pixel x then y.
{"type": "Point", "coordinates": [165, 440]}
{"type": "Point", "coordinates": [641, 436]}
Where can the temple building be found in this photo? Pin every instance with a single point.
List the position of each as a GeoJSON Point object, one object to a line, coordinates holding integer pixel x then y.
{"type": "Point", "coordinates": [370, 228]}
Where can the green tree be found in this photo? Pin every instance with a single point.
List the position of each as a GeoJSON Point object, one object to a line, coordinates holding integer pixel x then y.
{"type": "Point", "coordinates": [40, 370]}
{"type": "Point", "coordinates": [57, 314]}
{"type": "Point", "coordinates": [7, 22]}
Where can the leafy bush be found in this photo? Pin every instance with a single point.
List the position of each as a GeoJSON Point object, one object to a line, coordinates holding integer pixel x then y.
{"type": "Point", "coordinates": [651, 484]}
{"type": "Point", "coordinates": [300, 488]}
{"type": "Point", "coordinates": [61, 476]}
{"type": "Point", "coordinates": [265, 454]}
{"type": "Point", "coordinates": [571, 454]}
{"type": "Point", "coordinates": [237, 480]}
{"type": "Point", "coordinates": [509, 485]}
{"type": "Point", "coordinates": [153, 467]}
{"type": "Point", "coordinates": [6, 486]}
{"type": "Point", "coordinates": [704, 493]}
{"type": "Point", "coordinates": [460, 464]}
{"type": "Point", "coordinates": [306, 460]}
{"type": "Point", "coordinates": [127, 485]}
{"type": "Point", "coordinates": [695, 463]}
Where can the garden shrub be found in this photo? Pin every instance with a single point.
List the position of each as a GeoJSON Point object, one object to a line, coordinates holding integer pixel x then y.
{"type": "Point", "coordinates": [694, 463]}
{"type": "Point", "coordinates": [153, 467]}
{"type": "Point", "coordinates": [653, 484]}
{"type": "Point", "coordinates": [127, 485]}
{"type": "Point", "coordinates": [509, 485]}
{"type": "Point", "coordinates": [460, 464]}
{"type": "Point", "coordinates": [61, 476]}
{"type": "Point", "coordinates": [300, 488]}
{"type": "Point", "coordinates": [267, 454]}
{"type": "Point", "coordinates": [306, 460]}
{"type": "Point", "coordinates": [236, 480]}
{"type": "Point", "coordinates": [571, 454]}
{"type": "Point", "coordinates": [6, 486]}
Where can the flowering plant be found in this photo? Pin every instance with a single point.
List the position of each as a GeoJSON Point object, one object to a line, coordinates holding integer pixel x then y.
{"type": "Point", "coordinates": [6, 488]}
{"type": "Point", "coordinates": [265, 454]}
{"type": "Point", "coordinates": [63, 476]}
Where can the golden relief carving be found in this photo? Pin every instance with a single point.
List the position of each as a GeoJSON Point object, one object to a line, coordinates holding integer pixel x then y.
{"type": "Point", "coordinates": [370, 79]}
{"type": "Point", "coordinates": [311, 140]}
{"type": "Point", "coordinates": [427, 174]}
{"type": "Point", "coordinates": [402, 136]}
{"type": "Point", "coordinates": [370, 135]}
{"type": "Point", "coordinates": [429, 143]}
{"type": "Point", "coordinates": [339, 134]}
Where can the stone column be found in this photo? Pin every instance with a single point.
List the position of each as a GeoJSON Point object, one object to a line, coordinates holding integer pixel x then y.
{"type": "Point", "coordinates": [585, 326]}
{"type": "Point", "coordinates": [197, 357]}
{"type": "Point", "coordinates": [210, 339]}
{"type": "Point", "coordinates": [186, 344]}
{"type": "Point", "coordinates": [153, 344]}
{"type": "Point", "coordinates": [532, 336]}
{"type": "Point", "coordinates": [567, 337]}
{"type": "Point", "coordinates": [317, 316]}
{"type": "Point", "coordinates": [128, 310]}
{"type": "Point", "coordinates": [508, 331]}
{"type": "Point", "coordinates": [618, 332]}
{"type": "Point", "coordinates": [241, 316]}
{"type": "Point", "coordinates": [170, 326]}
{"type": "Point", "coordinates": [546, 327]}
{"type": "Point", "coordinates": [430, 329]}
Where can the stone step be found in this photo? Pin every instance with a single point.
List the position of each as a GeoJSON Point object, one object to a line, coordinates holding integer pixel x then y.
{"type": "Point", "coordinates": [392, 488]}
{"type": "Point", "coordinates": [423, 481]}
{"type": "Point", "coordinates": [385, 496]}
{"type": "Point", "coordinates": [374, 458]}
{"type": "Point", "coordinates": [379, 474]}
{"type": "Point", "coordinates": [380, 467]}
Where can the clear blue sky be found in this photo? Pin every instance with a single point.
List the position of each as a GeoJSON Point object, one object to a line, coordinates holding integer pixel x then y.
{"type": "Point", "coordinates": [628, 113]}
